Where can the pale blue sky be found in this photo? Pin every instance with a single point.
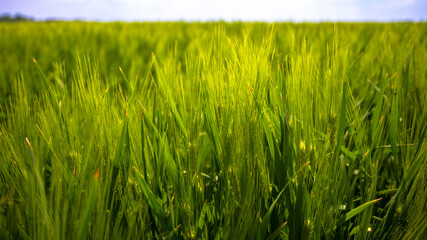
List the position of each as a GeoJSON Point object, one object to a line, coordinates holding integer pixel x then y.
{"type": "Point", "coordinates": [202, 10]}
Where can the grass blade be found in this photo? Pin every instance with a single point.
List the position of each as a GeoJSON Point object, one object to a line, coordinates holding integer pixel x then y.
{"type": "Point", "coordinates": [393, 126]}
{"type": "Point", "coordinates": [90, 205]}
{"type": "Point", "coordinates": [354, 212]}
{"type": "Point", "coordinates": [154, 202]}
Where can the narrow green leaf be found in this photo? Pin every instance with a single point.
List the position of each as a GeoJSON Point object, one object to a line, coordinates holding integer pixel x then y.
{"type": "Point", "coordinates": [342, 121]}
{"type": "Point", "coordinates": [203, 153]}
{"type": "Point", "coordinates": [201, 221]}
{"type": "Point", "coordinates": [122, 157]}
{"type": "Point", "coordinates": [269, 136]}
{"type": "Point", "coordinates": [171, 166]}
{"type": "Point", "coordinates": [354, 212]}
{"type": "Point", "coordinates": [213, 134]}
{"type": "Point", "coordinates": [45, 82]}
{"type": "Point", "coordinates": [421, 140]}
{"type": "Point", "coordinates": [143, 136]}
{"type": "Point", "coordinates": [171, 233]}
{"type": "Point", "coordinates": [46, 85]}
{"type": "Point", "coordinates": [127, 82]}
{"type": "Point", "coordinates": [388, 191]}
{"type": "Point", "coordinates": [276, 233]}
{"type": "Point", "coordinates": [154, 202]}
{"type": "Point", "coordinates": [262, 230]}
{"type": "Point", "coordinates": [359, 209]}
{"type": "Point", "coordinates": [376, 117]}
{"type": "Point", "coordinates": [90, 205]}
{"type": "Point", "coordinates": [393, 126]}
{"type": "Point", "coordinates": [348, 153]}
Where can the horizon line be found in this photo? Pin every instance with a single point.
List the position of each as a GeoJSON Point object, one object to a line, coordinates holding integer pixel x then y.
{"type": "Point", "coordinates": [16, 15]}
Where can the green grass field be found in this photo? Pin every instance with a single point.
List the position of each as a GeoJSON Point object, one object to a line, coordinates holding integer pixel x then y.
{"type": "Point", "coordinates": [213, 130]}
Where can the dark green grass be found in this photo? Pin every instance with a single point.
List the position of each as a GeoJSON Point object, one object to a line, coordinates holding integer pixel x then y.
{"type": "Point", "coordinates": [213, 131]}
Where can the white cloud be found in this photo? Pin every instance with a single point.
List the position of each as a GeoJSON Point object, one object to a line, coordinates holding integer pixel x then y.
{"type": "Point", "coordinates": [269, 10]}
{"type": "Point", "coordinates": [265, 10]}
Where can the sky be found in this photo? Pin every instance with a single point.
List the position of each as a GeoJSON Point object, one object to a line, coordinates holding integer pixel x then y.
{"type": "Point", "coordinates": [228, 10]}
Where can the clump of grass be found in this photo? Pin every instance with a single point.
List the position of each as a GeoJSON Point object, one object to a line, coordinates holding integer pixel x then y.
{"type": "Point", "coordinates": [213, 131]}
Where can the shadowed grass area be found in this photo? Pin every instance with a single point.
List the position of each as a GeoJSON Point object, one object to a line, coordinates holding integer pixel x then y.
{"type": "Point", "coordinates": [213, 131]}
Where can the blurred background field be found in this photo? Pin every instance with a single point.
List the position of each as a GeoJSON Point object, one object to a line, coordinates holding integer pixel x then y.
{"type": "Point", "coordinates": [130, 45]}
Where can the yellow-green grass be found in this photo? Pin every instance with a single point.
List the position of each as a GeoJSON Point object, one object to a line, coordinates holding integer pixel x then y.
{"type": "Point", "coordinates": [213, 130]}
